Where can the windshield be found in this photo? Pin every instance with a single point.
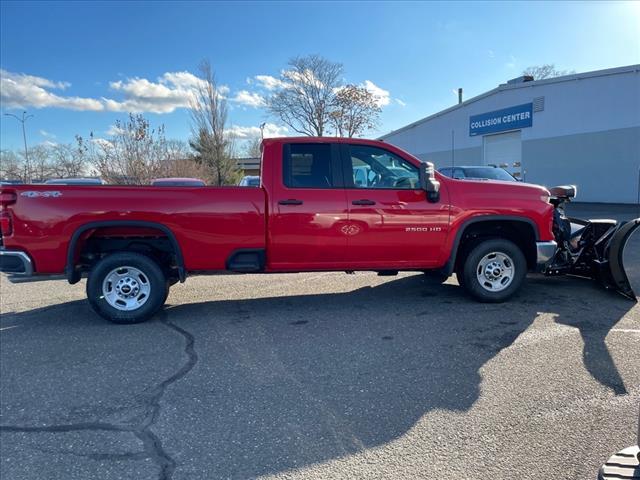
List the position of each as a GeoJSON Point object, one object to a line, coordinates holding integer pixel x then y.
{"type": "Point", "coordinates": [488, 172]}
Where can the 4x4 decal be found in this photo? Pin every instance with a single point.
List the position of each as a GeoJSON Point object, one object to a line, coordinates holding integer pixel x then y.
{"type": "Point", "coordinates": [45, 194]}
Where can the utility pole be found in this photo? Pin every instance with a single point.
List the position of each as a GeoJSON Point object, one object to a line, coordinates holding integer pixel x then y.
{"type": "Point", "coordinates": [262, 125]}
{"type": "Point", "coordinates": [23, 120]}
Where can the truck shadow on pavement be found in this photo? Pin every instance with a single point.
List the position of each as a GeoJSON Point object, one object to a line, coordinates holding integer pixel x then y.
{"type": "Point", "coordinates": [293, 381]}
{"type": "Point", "coordinates": [281, 383]}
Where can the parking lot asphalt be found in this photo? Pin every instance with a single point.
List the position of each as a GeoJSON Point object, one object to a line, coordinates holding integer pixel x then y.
{"type": "Point", "coordinates": [321, 375]}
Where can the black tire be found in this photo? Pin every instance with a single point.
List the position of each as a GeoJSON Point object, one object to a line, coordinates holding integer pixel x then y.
{"type": "Point", "coordinates": [460, 275]}
{"type": "Point", "coordinates": [472, 266]}
{"type": "Point", "coordinates": [151, 272]}
{"type": "Point", "coordinates": [166, 293]}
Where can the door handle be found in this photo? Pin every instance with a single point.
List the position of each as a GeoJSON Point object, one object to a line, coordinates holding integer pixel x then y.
{"type": "Point", "coordinates": [363, 202]}
{"type": "Point", "coordinates": [291, 201]}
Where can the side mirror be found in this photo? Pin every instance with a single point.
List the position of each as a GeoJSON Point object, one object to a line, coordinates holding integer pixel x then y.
{"type": "Point", "coordinates": [428, 181]}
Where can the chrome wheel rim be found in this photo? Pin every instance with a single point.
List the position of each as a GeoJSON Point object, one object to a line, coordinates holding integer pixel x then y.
{"type": "Point", "coordinates": [126, 288]}
{"type": "Point", "coordinates": [495, 271]}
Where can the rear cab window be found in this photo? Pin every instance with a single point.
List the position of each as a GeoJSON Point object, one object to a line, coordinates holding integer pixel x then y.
{"type": "Point", "coordinates": [310, 165]}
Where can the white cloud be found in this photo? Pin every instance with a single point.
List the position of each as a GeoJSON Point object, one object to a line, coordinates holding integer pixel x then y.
{"type": "Point", "coordinates": [171, 91]}
{"type": "Point", "coordinates": [250, 99]}
{"type": "Point", "coordinates": [103, 143]}
{"type": "Point", "coordinates": [18, 90]}
{"type": "Point", "coordinates": [244, 133]}
{"type": "Point", "coordinates": [400, 102]}
{"type": "Point", "coordinates": [46, 134]}
{"type": "Point", "coordinates": [269, 82]}
{"type": "Point", "coordinates": [272, 130]}
{"type": "Point", "coordinates": [306, 77]}
{"type": "Point", "coordinates": [381, 95]}
{"type": "Point", "coordinates": [511, 63]}
{"type": "Point", "coordinates": [273, 83]}
{"type": "Point", "coordinates": [114, 130]}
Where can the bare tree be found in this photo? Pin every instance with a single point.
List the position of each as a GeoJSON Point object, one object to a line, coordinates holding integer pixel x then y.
{"type": "Point", "coordinates": [548, 70]}
{"type": "Point", "coordinates": [45, 161]}
{"type": "Point", "coordinates": [134, 155]}
{"type": "Point", "coordinates": [306, 95]}
{"type": "Point", "coordinates": [12, 166]}
{"type": "Point", "coordinates": [186, 167]}
{"type": "Point", "coordinates": [70, 160]}
{"type": "Point", "coordinates": [213, 147]}
{"type": "Point", "coordinates": [179, 162]}
{"type": "Point", "coordinates": [356, 110]}
{"type": "Point", "coordinates": [253, 148]}
{"type": "Point", "coordinates": [40, 164]}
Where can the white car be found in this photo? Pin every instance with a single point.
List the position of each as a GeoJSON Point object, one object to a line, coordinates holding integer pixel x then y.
{"type": "Point", "coordinates": [250, 181]}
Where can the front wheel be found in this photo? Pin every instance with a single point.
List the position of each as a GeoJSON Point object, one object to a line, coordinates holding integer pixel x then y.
{"type": "Point", "coordinates": [126, 287]}
{"type": "Point", "coordinates": [494, 270]}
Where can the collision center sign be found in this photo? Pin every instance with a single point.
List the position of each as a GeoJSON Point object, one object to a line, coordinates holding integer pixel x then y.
{"type": "Point", "coordinates": [512, 118]}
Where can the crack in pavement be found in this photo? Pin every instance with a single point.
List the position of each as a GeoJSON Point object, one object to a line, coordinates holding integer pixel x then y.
{"type": "Point", "coordinates": [71, 427]}
{"type": "Point", "coordinates": [153, 448]}
{"type": "Point", "coordinates": [99, 456]}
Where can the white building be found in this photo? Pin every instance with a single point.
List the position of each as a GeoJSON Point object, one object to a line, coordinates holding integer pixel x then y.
{"type": "Point", "coordinates": [582, 129]}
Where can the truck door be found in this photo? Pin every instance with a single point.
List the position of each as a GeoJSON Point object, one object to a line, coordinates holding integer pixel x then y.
{"type": "Point", "coordinates": [308, 209]}
{"type": "Point", "coordinates": [391, 223]}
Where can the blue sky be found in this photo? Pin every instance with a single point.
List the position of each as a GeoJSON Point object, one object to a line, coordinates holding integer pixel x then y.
{"type": "Point", "coordinates": [78, 67]}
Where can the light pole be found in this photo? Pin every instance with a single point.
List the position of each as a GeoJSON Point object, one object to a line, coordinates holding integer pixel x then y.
{"type": "Point", "coordinates": [23, 120]}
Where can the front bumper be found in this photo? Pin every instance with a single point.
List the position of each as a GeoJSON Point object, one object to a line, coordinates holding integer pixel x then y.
{"type": "Point", "coordinates": [545, 252]}
{"type": "Point", "coordinates": [15, 263]}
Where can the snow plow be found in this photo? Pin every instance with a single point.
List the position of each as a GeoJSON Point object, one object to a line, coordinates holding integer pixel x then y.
{"type": "Point", "coordinates": [590, 248]}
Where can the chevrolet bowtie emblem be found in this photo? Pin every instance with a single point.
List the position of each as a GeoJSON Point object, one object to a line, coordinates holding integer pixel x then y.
{"type": "Point", "coordinates": [350, 229]}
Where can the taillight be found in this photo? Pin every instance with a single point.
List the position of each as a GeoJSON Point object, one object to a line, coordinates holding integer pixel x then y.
{"type": "Point", "coordinates": [7, 198]}
{"type": "Point", "coordinates": [6, 226]}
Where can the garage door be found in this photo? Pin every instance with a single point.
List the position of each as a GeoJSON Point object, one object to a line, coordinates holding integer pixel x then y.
{"type": "Point", "coordinates": [504, 150]}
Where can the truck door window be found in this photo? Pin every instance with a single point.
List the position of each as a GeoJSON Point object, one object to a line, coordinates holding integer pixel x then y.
{"type": "Point", "coordinates": [307, 165]}
{"type": "Point", "coordinates": [374, 167]}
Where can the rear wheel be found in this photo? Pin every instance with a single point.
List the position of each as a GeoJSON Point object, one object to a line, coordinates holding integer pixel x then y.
{"type": "Point", "coordinates": [494, 270]}
{"type": "Point", "coordinates": [127, 287]}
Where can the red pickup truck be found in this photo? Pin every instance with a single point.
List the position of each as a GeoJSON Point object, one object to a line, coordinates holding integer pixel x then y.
{"type": "Point", "coordinates": [325, 204]}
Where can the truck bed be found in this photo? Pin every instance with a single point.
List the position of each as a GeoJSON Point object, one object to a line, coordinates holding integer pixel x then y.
{"type": "Point", "coordinates": [209, 223]}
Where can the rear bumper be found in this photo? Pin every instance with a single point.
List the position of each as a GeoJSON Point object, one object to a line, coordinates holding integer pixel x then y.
{"type": "Point", "coordinates": [545, 252]}
{"type": "Point", "coordinates": [15, 263]}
